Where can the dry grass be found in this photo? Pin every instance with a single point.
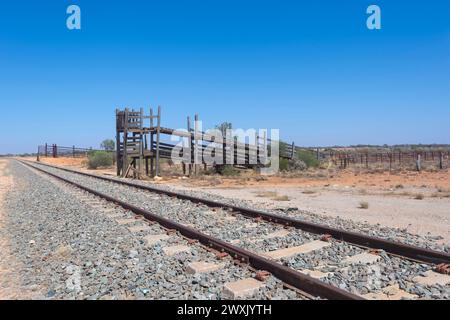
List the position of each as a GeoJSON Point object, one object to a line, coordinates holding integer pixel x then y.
{"type": "Point", "coordinates": [266, 194]}
{"type": "Point", "coordinates": [281, 198]}
{"type": "Point", "coordinates": [272, 195]}
{"type": "Point", "coordinates": [362, 191]}
{"type": "Point", "coordinates": [363, 205]}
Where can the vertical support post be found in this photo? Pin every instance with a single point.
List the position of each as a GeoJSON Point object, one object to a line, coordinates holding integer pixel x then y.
{"type": "Point", "coordinates": [196, 144]}
{"type": "Point", "coordinates": [265, 146]}
{"type": "Point", "coordinates": [152, 150]}
{"type": "Point", "coordinates": [441, 160]}
{"type": "Point", "coordinates": [118, 160]}
{"type": "Point", "coordinates": [37, 156]}
{"type": "Point", "coordinates": [73, 151]}
{"type": "Point", "coordinates": [46, 150]}
{"type": "Point", "coordinates": [190, 145]}
{"type": "Point", "coordinates": [158, 129]}
{"type": "Point", "coordinates": [317, 154]}
{"type": "Point", "coordinates": [224, 147]}
{"type": "Point", "coordinates": [125, 144]}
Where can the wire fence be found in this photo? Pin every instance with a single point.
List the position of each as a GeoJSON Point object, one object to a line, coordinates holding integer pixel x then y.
{"type": "Point", "coordinates": [55, 151]}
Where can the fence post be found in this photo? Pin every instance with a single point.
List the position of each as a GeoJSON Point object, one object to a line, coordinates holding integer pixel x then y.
{"type": "Point", "coordinates": [37, 158]}
{"type": "Point", "coordinates": [418, 165]}
{"type": "Point", "coordinates": [441, 160]}
{"type": "Point", "coordinates": [293, 150]}
{"type": "Point", "coordinates": [46, 150]}
{"type": "Point", "coordinates": [73, 151]}
{"type": "Point", "coordinates": [390, 161]}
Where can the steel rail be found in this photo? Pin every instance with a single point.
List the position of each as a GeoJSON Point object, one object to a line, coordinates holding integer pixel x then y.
{"type": "Point", "coordinates": [290, 276]}
{"type": "Point", "coordinates": [396, 248]}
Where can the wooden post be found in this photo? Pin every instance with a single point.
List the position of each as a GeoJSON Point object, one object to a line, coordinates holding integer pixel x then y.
{"type": "Point", "coordinates": [46, 150]}
{"type": "Point", "coordinates": [152, 152]}
{"type": "Point", "coordinates": [418, 164]}
{"type": "Point", "coordinates": [390, 161]}
{"type": "Point", "coordinates": [293, 150]}
{"type": "Point", "coordinates": [146, 158]}
{"type": "Point", "coordinates": [37, 157]}
{"type": "Point", "coordinates": [190, 145]}
{"type": "Point", "coordinates": [196, 145]}
{"type": "Point", "coordinates": [141, 142]}
{"type": "Point", "coordinates": [158, 129]}
{"type": "Point", "coordinates": [118, 161]}
{"type": "Point", "coordinates": [441, 160]}
{"type": "Point", "coordinates": [125, 144]}
{"type": "Point", "coordinates": [73, 151]}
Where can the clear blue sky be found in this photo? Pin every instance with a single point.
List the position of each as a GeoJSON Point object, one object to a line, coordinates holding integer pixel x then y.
{"type": "Point", "coordinates": [310, 68]}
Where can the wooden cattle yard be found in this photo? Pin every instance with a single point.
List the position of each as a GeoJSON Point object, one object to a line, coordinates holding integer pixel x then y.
{"type": "Point", "coordinates": [140, 147]}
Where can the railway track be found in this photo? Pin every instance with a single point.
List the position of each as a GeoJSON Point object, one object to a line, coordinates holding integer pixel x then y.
{"type": "Point", "coordinates": [286, 238]}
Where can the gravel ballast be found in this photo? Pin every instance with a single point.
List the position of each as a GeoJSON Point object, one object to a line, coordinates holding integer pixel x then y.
{"type": "Point", "coordinates": [70, 249]}
{"type": "Point", "coordinates": [241, 231]}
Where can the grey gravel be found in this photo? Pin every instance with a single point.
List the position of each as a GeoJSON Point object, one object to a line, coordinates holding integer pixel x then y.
{"type": "Point", "coordinates": [359, 279]}
{"type": "Point", "coordinates": [71, 250]}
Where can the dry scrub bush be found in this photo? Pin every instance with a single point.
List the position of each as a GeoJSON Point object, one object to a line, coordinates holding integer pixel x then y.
{"type": "Point", "coordinates": [364, 205]}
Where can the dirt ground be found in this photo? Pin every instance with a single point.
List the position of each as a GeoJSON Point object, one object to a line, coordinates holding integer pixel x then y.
{"type": "Point", "coordinates": [416, 201]}
{"type": "Point", "coordinates": [10, 286]}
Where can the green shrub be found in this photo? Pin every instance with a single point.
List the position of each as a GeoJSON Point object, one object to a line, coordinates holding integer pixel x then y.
{"type": "Point", "coordinates": [99, 159]}
{"type": "Point", "coordinates": [308, 157]}
{"type": "Point", "coordinates": [284, 164]}
{"type": "Point", "coordinates": [227, 170]}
